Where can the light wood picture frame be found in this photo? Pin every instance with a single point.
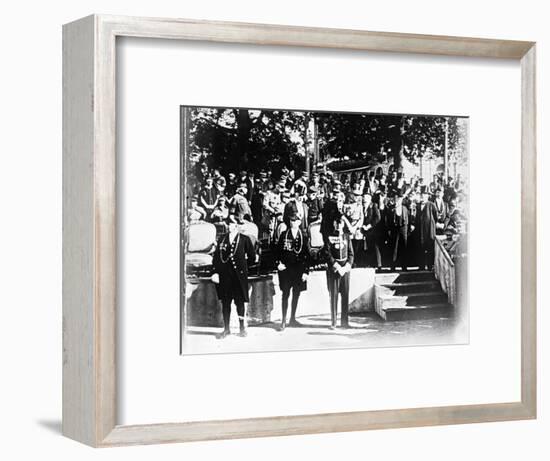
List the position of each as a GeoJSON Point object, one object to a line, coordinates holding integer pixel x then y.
{"type": "Point", "coordinates": [89, 229]}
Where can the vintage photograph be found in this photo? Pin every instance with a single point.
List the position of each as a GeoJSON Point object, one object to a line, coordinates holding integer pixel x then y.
{"type": "Point", "coordinates": [308, 230]}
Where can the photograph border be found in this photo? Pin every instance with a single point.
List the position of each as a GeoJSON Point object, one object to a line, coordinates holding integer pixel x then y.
{"type": "Point", "coordinates": [89, 229]}
{"type": "Point", "coordinates": [185, 151]}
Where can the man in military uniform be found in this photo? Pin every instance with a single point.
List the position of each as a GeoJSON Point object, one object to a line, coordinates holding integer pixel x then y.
{"type": "Point", "coordinates": [234, 253]}
{"type": "Point", "coordinates": [292, 254]}
{"type": "Point", "coordinates": [339, 256]}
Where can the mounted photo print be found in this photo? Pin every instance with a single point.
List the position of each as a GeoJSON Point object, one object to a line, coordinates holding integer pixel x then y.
{"type": "Point", "coordinates": [324, 224]}
{"type": "Point", "coordinates": [308, 230]}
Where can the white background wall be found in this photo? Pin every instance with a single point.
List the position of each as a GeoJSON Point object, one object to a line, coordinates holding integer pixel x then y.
{"type": "Point", "coordinates": [30, 231]}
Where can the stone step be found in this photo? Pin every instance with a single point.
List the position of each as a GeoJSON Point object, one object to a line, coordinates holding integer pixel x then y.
{"type": "Point", "coordinates": [412, 299]}
{"type": "Point", "coordinates": [404, 277]}
{"type": "Point", "coordinates": [417, 312]}
{"type": "Point", "coordinates": [412, 287]}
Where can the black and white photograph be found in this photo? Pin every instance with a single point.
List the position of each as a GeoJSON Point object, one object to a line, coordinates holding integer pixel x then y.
{"type": "Point", "coordinates": [314, 230]}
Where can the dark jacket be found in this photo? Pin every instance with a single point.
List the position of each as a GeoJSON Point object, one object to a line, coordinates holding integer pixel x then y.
{"type": "Point", "coordinates": [372, 217]}
{"type": "Point", "coordinates": [231, 261]}
{"type": "Point", "coordinates": [256, 205]}
{"type": "Point", "coordinates": [329, 213]}
{"type": "Point", "coordinates": [294, 254]}
{"type": "Point", "coordinates": [293, 251]}
{"type": "Point", "coordinates": [314, 209]}
{"type": "Point", "coordinates": [209, 196]}
{"type": "Point", "coordinates": [425, 222]}
{"type": "Point", "coordinates": [338, 249]}
{"type": "Point", "coordinates": [396, 222]}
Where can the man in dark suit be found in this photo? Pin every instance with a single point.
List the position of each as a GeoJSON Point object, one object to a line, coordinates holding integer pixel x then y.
{"type": "Point", "coordinates": [234, 253]}
{"type": "Point", "coordinates": [292, 253]}
{"type": "Point", "coordinates": [256, 203]}
{"type": "Point", "coordinates": [314, 205]}
{"type": "Point", "coordinates": [371, 229]}
{"type": "Point", "coordinates": [442, 210]}
{"type": "Point", "coordinates": [398, 223]}
{"type": "Point", "coordinates": [297, 205]}
{"type": "Point", "coordinates": [339, 255]}
{"type": "Point", "coordinates": [381, 230]}
{"type": "Point", "coordinates": [424, 227]}
{"type": "Point", "coordinates": [330, 211]}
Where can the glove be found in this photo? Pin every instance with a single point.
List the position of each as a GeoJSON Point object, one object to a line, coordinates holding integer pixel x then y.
{"type": "Point", "coordinates": [281, 267]}
{"type": "Point", "coordinates": [215, 278]}
{"type": "Point", "coordinates": [304, 277]}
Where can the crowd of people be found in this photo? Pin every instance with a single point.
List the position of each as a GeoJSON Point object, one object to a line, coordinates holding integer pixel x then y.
{"type": "Point", "coordinates": [391, 220]}
{"type": "Point", "coordinates": [363, 219]}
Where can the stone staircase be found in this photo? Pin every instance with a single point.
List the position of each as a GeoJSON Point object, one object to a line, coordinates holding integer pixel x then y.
{"type": "Point", "coordinates": [410, 295]}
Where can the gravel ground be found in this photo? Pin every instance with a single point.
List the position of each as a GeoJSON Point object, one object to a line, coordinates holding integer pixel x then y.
{"type": "Point", "coordinates": [366, 330]}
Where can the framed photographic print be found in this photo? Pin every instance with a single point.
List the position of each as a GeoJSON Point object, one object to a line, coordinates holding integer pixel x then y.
{"type": "Point", "coordinates": [403, 257]}
{"type": "Point", "coordinates": [274, 230]}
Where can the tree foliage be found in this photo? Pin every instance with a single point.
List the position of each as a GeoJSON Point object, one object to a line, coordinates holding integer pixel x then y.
{"type": "Point", "coordinates": [233, 139]}
{"type": "Point", "coordinates": [355, 136]}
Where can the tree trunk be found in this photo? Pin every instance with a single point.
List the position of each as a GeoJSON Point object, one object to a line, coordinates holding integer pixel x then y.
{"type": "Point", "coordinates": [397, 144]}
{"type": "Point", "coordinates": [306, 151]}
{"type": "Point", "coordinates": [244, 124]}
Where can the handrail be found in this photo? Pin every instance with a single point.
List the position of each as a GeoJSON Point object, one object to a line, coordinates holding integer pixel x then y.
{"type": "Point", "coordinates": [445, 252]}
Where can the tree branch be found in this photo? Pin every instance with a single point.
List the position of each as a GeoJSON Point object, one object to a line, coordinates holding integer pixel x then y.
{"type": "Point", "coordinates": [227, 129]}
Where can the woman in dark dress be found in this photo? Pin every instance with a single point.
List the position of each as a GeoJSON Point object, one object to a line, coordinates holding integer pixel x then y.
{"type": "Point", "coordinates": [292, 256]}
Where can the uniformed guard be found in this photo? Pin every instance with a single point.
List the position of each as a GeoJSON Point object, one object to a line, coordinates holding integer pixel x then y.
{"type": "Point", "coordinates": [234, 253]}
{"type": "Point", "coordinates": [292, 255]}
{"type": "Point", "coordinates": [339, 256]}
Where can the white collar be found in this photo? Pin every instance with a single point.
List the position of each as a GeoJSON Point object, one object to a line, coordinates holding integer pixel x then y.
{"type": "Point", "coordinates": [294, 235]}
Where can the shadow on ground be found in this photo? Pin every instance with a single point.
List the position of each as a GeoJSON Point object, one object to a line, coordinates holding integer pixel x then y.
{"type": "Point", "coordinates": [52, 425]}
